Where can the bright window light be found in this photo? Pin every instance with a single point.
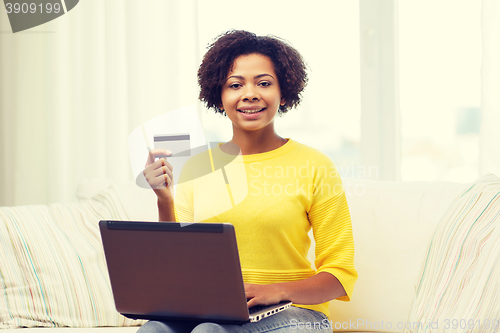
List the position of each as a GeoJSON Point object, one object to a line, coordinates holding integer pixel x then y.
{"type": "Point", "coordinates": [440, 62]}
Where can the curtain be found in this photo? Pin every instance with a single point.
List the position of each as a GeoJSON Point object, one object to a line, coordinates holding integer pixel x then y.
{"type": "Point", "coordinates": [73, 89]}
{"type": "Point", "coordinates": [490, 97]}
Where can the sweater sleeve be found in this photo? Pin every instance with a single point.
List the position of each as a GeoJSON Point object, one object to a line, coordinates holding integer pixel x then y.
{"type": "Point", "coordinates": [183, 202]}
{"type": "Point", "coordinates": [331, 223]}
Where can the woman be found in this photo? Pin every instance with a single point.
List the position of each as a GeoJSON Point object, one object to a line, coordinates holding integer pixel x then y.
{"type": "Point", "coordinates": [291, 188]}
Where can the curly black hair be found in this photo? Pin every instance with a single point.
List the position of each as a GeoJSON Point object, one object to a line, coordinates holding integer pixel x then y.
{"type": "Point", "coordinates": [218, 61]}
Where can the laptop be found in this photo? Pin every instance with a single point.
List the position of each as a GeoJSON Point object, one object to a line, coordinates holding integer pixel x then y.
{"type": "Point", "coordinates": [171, 271]}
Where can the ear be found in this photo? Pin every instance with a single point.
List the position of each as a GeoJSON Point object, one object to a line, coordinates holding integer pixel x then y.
{"type": "Point", "coordinates": [282, 102]}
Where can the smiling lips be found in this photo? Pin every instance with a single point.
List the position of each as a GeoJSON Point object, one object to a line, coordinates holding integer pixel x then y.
{"type": "Point", "coordinates": [250, 110]}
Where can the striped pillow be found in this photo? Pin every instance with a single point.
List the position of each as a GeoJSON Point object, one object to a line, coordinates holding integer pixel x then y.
{"type": "Point", "coordinates": [459, 286]}
{"type": "Point", "coordinates": [52, 268]}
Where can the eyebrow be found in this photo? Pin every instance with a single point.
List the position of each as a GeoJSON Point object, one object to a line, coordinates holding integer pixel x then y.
{"type": "Point", "coordinates": [255, 77]}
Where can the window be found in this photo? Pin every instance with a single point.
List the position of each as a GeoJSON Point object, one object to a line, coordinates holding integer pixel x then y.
{"type": "Point", "coordinates": [439, 73]}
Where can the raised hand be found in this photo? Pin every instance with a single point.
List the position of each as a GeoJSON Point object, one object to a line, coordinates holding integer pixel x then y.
{"type": "Point", "coordinates": [159, 175]}
{"type": "Point", "coordinates": [158, 172]}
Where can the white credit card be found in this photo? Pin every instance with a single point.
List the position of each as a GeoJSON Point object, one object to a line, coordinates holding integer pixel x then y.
{"type": "Point", "coordinates": [178, 144]}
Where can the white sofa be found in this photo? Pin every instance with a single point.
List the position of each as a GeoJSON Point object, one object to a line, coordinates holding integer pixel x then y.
{"type": "Point", "coordinates": [393, 224]}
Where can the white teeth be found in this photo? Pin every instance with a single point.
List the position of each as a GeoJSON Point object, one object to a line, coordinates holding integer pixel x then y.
{"type": "Point", "coordinates": [250, 112]}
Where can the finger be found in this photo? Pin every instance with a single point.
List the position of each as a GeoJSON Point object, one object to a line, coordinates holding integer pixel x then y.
{"type": "Point", "coordinates": [165, 169]}
{"type": "Point", "coordinates": [154, 165]}
{"type": "Point", "coordinates": [159, 167]}
{"type": "Point", "coordinates": [159, 182]}
{"type": "Point", "coordinates": [152, 171]}
{"type": "Point", "coordinates": [158, 177]}
{"type": "Point", "coordinates": [252, 302]}
{"type": "Point", "coordinates": [156, 153]}
{"type": "Point", "coordinates": [160, 152]}
{"type": "Point", "coordinates": [166, 164]}
{"type": "Point", "coordinates": [167, 172]}
{"type": "Point", "coordinates": [151, 167]}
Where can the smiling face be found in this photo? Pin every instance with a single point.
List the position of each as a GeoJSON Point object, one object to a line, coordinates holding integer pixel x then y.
{"type": "Point", "coordinates": [251, 94]}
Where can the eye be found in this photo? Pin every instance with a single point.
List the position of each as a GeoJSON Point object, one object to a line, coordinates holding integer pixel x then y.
{"type": "Point", "coordinates": [265, 83]}
{"type": "Point", "coordinates": [235, 85]}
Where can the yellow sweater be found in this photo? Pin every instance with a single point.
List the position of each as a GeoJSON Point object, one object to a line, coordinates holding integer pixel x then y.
{"type": "Point", "coordinates": [273, 199]}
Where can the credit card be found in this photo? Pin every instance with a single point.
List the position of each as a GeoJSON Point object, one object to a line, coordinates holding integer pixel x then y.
{"type": "Point", "coordinates": [178, 144]}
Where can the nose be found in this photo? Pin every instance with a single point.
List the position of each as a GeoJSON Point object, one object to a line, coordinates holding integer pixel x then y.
{"type": "Point", "coordinates": [250, 94]}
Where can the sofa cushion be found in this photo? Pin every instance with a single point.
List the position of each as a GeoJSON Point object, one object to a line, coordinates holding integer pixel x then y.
{"type": "Point", "coordinates": [458, 288]}
{"type": "Point", "coordinates": [392, 223]}
{"type": "Point", "coordinates": [139, 203]}
{"type": "Point", "coordinates": [52, 268]}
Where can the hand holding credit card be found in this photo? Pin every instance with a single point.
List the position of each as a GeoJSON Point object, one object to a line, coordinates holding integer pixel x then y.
{"type": "Point", "coordinates": [158, 171]}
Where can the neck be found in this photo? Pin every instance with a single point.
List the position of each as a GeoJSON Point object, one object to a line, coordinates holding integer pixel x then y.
{"type": "Point", "coordinates": [256, 142]}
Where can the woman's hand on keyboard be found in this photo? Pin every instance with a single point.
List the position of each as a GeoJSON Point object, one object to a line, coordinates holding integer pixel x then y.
{"type": "Point", "coordinates": [264, 294]}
